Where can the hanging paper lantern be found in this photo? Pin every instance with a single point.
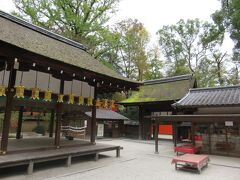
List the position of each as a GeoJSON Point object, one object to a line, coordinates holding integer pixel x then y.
{"type": "Point", "coordinates": [2, 91]}
{"type": "Point", "coordinates": [48, 95]}
{"type": "Point", "coordinates": [71, 99]}
{"type": "Point", "coordinates": [104, 103]}
{"type": "Point", "coordinates": [111, 104]}
{"type": "Point", "coordinates": [98, 102]}
{"type": "Point", "coordinates": [89, 101]}
{"type": "Point", "coordinates": [60, 98]}
{"type": "Point", "coordinates": [35, 94]}
{"type": "Point", "coordinates": [80, 100]}
{"type": "Point", "coordinates": [19, 91]}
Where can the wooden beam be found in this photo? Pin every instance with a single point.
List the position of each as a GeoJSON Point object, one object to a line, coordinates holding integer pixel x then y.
{"type": "Point", "coordinates": [8, 108]}
{"type": "Point", "coordinates": [19, 125]}
{"type": "Point", "coordinates": [196, 118]}
{"type": "Point", "coordinates": [59, 118]}
{"type": "Point", "coordinates": [93, 120]}
{"type": "Point", "coordinates": [51, 124]}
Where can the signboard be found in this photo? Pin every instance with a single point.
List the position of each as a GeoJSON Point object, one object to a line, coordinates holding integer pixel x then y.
{"type": "Point", "coordinates": [100, 130]}
{"type": "Point", "coordinates": [228, 123]}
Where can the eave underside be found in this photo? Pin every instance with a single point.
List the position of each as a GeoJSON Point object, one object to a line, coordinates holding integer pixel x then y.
{"type": "Point", "coordinates": [26, 59]}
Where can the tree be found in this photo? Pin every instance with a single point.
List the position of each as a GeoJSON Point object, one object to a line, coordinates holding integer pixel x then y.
{"type": "Point", "coordinates": [83, 21]}
{"type": "Point", "coordinates": [155, 66]}
{"type": "Point", "coordinates": [131, 49]}
{"type": "Point", "coordinates": [188, 43]}
{"type": "Point", "coordinates": [228, 19]}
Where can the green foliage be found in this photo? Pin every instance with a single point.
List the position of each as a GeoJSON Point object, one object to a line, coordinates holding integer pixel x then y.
{"type": "Point", "coordinates": [39, 129]}
{"type": "Point", "coordinates": [130, 112]}
{"type": "Point", "coordinates": [82, 21]}
{"type": "Point", "coordinates": [228, 18]}
{"type": "Point", "coordinates": [131, 53]}
{"type": "Point", "coordinates": [193, 46]}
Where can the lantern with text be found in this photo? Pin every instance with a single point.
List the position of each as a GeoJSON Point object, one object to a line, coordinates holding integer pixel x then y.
{"type": "Point", "coordinates": [35, 94]}
{"type": "Point", "coordinates": [19, 92]}
{"type": "Point", "coordinates": [104, 103]}
{"type": "Point", "coordinates": [98, 102]}
{"type": "Point", "coordinates": [80, 100]}
{"type": "Point", "coordinates": [2, 91]}
{"type": "Point", "coordinates": [71, 99]}
{"type": "Point", "coordinates": [89, 101]}
{"type": "Point", "coordinates": [60, 98]}
{"type": "Point", "coordinates": [48, 95]}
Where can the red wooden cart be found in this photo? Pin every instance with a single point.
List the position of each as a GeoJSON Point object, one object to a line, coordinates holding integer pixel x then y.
{"type": "Point", "coordinates": [187, 148]}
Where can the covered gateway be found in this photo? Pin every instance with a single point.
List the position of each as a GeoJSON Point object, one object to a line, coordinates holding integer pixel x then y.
{"type": "Point", "coordinates": [155, 97]}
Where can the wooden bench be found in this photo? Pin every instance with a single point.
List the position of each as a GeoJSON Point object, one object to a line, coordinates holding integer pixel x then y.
{"type": "Point", "coordinates": [191, 162]}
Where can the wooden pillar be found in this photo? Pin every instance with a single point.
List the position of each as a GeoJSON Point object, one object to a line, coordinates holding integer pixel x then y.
{"type": "Point", "coordinates": [19, 125]}
{"type": "Point", "coordinates": [156, 137]}
{"type": "Point", "coordinates": [175, 134]}
{"type": "Point", "coordinates": [209, 139]}
{"type": "Point", "coordinates": [93, 122]}
{"type": "Point", "coordinates": [141, 126]}
{"type": "Point", "coordinates": [175, 129]}
{"type": "Point", "coordinates": [148, 124]}
{"type": "Point", "coordinates": [51, 124]}
{"type": "Point", "coordinates": [59, 118]}
{"type": "Point", "coordinates": [193, 129]}
{"type": "Point", "coordinates": [8, 108]}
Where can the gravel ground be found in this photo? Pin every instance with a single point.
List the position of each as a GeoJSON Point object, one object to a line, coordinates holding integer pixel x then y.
{"type": "Point", "coordinates": [137, 161]}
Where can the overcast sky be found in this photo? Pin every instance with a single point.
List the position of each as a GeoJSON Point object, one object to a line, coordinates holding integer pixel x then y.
{"type": "Point", "coordinates": [156, 13]}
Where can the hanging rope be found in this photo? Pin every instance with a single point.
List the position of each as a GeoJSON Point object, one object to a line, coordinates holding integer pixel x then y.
{"type": "Point", "coordinates": [80, 98]}
{"type": "Point", "coordinates": [81, 88]}
{"type": "Point", "coordinates": [20, 89]}
{"type": "Point", "coordinates": [49, 79]}
{"type": "Point", "coordinates": [90, 92]}
{"type": "Point", "coordinates": [4, 73]}
{"type": "Point", "coordinates": [36, 79]}
{"type": "Point", "coordinates": [71, 96]}
{"type": "Point", "coordinates": [89, 100]}
{"type": "Point", "coordinates": [21, 78]}
{"type": "Point", "coordinates": [71, 86]}
{"type": "Point", "coordinates": [35, 91]}
{"type": "Point", "coordinates": [48, 92]}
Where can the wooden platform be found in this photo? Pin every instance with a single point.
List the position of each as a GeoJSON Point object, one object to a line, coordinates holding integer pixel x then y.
{"type": "Point", "coordinates": [45, 155]}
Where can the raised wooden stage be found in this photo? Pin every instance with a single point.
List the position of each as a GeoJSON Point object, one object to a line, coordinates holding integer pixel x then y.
{"type": "Point", "coordinates": [44, 153]}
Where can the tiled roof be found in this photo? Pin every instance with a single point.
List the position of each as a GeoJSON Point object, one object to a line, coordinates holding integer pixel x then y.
{"type": "Point", "coordinates": [107, 114]}
{"type": "Point", "coordinates": [210, 97]}
{"type": "Point", "coordinates": [165, 89]}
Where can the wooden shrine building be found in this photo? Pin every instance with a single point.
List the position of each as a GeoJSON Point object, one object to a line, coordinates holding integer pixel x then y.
{"type": "Point", "coordinates": [213, 114]}
{"type": "Point", "coordinates": [41, 71]}
{"type": "Point", "coordinates": [156, 97]}
{"type": "Point", "coordinates": [109, 123]}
